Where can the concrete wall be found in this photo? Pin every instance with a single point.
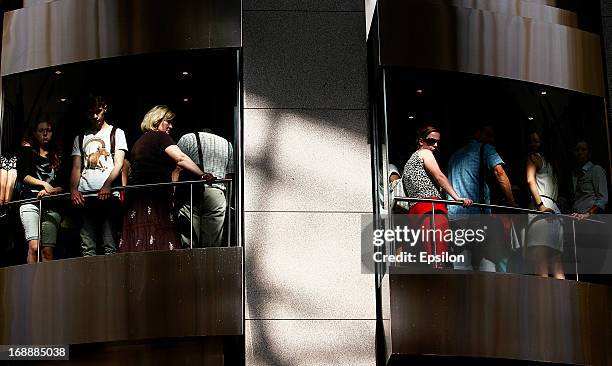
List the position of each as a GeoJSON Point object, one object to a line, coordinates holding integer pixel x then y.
{"type": "Point", "coordinates": [307, 183]}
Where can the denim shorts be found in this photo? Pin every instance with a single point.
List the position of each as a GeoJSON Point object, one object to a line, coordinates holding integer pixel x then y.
{"type": "Point", "coordinates": [50, 224]}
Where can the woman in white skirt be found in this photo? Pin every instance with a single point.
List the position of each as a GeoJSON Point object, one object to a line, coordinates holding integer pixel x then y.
{"type": "Point", "coordinates": [544, 237]}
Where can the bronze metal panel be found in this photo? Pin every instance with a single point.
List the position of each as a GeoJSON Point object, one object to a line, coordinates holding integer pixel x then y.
{"type": "Point", "coordinates": [66, 31]}
{"type": "Point", "coordinates": [129, 296]}
{"type": "Point", "coordinates": [501, 316]}
{"type": "Point", "coordinates": [207, 351]}
{"type": "Point", "coordinates": [522, 8]}
{"type": "Point", "coordinates": [28, 3]}
{"type": "Point", "coordinates": [432, 35]}
{"type": "Point", "coordinates": [543, 2]}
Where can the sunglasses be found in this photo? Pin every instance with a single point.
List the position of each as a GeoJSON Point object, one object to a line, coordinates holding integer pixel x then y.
{"type": "Point", "coordinates": [431, 141]}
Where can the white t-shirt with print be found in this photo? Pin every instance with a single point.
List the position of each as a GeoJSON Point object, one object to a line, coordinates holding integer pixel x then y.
{"type": "Point", "coordinates": [98, 159]}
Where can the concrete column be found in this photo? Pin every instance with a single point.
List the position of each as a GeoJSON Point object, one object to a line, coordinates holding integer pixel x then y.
{"type": "Point", "coordinates": [307, 183]}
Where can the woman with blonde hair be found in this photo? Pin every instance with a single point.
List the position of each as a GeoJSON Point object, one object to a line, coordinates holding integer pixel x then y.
{"type": "Point", "coordinates": [148, 223]}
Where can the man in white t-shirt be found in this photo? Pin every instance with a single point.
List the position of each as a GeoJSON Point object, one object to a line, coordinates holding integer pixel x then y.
{"type": "Point", "coordinates": [97, 159]}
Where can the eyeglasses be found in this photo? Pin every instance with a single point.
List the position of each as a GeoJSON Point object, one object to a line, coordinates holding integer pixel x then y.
{"type": "Point", "coordinates": [431, 141]}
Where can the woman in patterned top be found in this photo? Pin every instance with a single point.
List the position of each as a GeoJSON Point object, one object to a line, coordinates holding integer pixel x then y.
{"type": "Point", "coordinates": [423, 178]}
{"type": "Point", "coordinates": [8, 175]}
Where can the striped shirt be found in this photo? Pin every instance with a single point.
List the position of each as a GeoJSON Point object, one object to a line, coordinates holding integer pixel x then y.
{"type": "Point", "coordinates": [217, 153]}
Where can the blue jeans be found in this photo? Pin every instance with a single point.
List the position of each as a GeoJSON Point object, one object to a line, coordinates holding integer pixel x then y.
{"type": "Point", "coordinates": [99, 223]}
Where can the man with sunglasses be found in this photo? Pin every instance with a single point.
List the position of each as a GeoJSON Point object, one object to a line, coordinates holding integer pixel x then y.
{"type": "Point", "coordinates": [470, 170]}
{"type": "Point", "coordinates": [97, 160]}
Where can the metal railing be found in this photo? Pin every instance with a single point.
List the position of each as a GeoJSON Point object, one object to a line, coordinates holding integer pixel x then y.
{"type": "Point", "coordinates": [512, 209]}
{"type": "Point", "coordinates": [228, 183]}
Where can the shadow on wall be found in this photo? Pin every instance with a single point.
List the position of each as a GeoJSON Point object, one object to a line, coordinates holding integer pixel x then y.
{"type": "Point", "coordinates": [299, 161]}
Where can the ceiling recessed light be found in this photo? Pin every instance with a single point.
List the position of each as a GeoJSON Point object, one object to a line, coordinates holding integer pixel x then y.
{"type": "Point", "coordinates": [185, 99]}
{"type": "Point", "coordinates": [543, 92]}
{"type": "Point", "coordinates": [58, 72]}
{"type": "Point", "coordinates": [63, 99]}
{"type": "Point", "coordinates": [419, 91]}
{"type": "Point", "coordinates": [530, 118]}
{"type": "Point", "coordinates": [410, 117]}
{"type": "Point", "coordinates": [185, 73]}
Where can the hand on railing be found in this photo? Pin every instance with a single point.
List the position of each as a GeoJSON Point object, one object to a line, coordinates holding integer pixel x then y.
{"type": "Point", "coordinates": [105, 192]}
{"type": "Point", "coordinates": [208, 178]}
{"type": "Point", "coordinates": [466, 202]}
{"type": "Point", "coordinates": [48, 190]}
{"type": "Point", "coordinates": [77, 199]}
{"type": "Point", "coordinates": [543, 208]}
{"type": "Point", "coordinates": [581, 216]}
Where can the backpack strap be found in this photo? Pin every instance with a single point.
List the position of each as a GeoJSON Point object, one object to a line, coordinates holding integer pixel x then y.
{"type": "Point", "coordinates": [112, 140]}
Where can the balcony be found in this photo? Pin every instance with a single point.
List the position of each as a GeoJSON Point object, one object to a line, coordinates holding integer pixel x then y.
{"type": "Point", "coordinates": [440, 315]}
{"type": "Point", "coordinates": [172, 305]}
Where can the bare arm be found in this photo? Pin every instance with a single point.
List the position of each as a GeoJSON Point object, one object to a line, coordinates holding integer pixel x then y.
{"type": "Point", "coordinates": [105, 191]}
{"type": "Point", "coordinates": [75, 176]}
{"type": "Point", "coordinates": [176, 173]}
{"type": "Point", "coordinates": [30, 180]}
{"type": "Point", "coordinates": [432, 168]}
{"type": "Point", "coordinates": [125, 172]}
{"type": "Point", "coordinates": [184, 162]}
{"type": "Point", "coordinates": [504, 183]}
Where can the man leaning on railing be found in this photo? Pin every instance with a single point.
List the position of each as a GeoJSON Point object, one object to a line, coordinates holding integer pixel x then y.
{"type": "Point", "coordinates": [214, 155]}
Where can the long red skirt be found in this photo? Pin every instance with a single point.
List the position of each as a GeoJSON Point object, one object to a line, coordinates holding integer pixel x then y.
{"type": "Point", "coordinates": [148, 223]}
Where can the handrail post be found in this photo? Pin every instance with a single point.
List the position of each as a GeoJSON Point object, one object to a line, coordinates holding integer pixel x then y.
{"type": "Point", "coordinates": [190, 215]}
{"type": "Point", "coordinates": [39, 246]}
{"type": "Point", "coordinates": [575, 250]}
{"type": "Point", "coordinates": [228, 211]}
{"type": "Point", "coordinates": [433, 220]}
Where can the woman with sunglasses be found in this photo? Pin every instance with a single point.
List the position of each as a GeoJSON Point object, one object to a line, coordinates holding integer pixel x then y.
{"type": "Point", "coordinates": [148, 223]}
{"type": "Point", "coordinates": [423, 178]}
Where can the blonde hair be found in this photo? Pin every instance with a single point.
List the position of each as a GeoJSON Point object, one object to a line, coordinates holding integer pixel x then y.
{"type": "Point", "coordinates": [155, 116]}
